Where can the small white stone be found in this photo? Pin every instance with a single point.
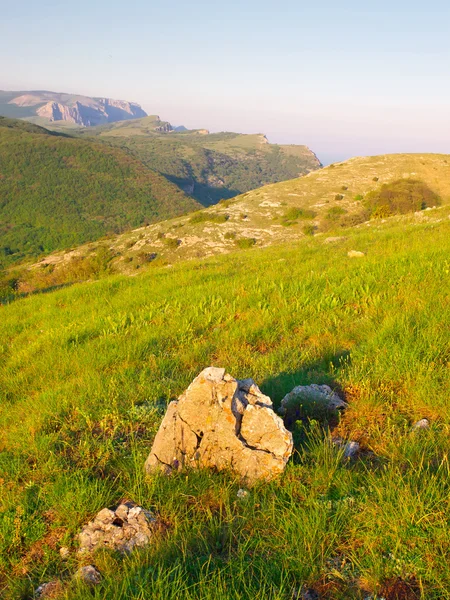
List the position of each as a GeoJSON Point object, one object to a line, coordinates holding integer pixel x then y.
{"type": "Point", "coordinates": [64, 552]}
{"type": "Point", "coordinates": [241, 493]}
{"type": "Point", "coordinates": [422, 424]}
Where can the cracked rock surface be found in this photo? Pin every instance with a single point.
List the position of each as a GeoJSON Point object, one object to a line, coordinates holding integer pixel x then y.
{"type": "Point", "coordinates": [122, 529]}
{"type": "Point", "coordinates": [223, 423]}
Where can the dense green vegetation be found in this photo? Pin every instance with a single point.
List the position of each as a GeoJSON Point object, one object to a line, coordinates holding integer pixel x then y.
{"type": "Point", "coordinates": [86, 372]}
{"type": "Point", "coordinates": [208, 166]}
{"type": "Point", "coordinates": [57, 192]}
{"type": "Point", "coordinates": [400, 197]}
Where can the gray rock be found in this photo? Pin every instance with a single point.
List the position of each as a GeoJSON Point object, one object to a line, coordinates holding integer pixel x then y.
{"type": "Point", "coordinates": [123, 529]}
{"type": "Point", "coordinates": [351, 449]}
{"type": "Point", "coordinates": [322, 396]}
{"type": "Point", "coordinates": [88, 575]}
{"type": "Point", "coordinates": [422, 424]}
{"type": "Point", "coordinates": [222, 423]}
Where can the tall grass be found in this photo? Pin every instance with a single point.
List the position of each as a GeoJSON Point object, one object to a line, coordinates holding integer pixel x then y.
{"type": "Point", "coordinates": [86, 373]}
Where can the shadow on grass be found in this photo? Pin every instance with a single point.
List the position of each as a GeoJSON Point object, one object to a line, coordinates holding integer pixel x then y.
{"type": "Point", "coordinates": [321, 372]}
{"type": "Point", "coordinates": [309, 413]}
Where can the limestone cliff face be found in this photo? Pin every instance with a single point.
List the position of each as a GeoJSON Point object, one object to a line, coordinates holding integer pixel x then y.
{"type": "Point", "coordinates": [81, 110]}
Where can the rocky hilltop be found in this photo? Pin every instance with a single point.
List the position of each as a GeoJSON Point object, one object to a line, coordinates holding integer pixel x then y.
{"type": "Point", "coordinates": [80, 110]}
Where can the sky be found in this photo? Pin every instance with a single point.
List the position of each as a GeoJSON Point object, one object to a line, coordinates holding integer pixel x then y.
{"type": "Point", "coordinates": [347, 78]}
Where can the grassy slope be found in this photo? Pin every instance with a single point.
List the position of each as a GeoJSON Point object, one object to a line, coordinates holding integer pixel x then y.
{"type": "Point", "coordinates": [259, 214]}
{"type": "Point", "coordinates": [58, 192]}
{"type": "Point", "coordinates": [85, 374]}
{"type": "Point", "coordinates": [218, 165]}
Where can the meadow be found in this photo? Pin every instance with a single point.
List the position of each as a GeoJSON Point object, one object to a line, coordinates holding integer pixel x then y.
{"type": "Point", "coordinates": [87, 371]}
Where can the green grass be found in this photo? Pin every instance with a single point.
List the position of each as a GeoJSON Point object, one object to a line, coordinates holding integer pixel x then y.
{"type": "Point", "coordinates": [86, 373]}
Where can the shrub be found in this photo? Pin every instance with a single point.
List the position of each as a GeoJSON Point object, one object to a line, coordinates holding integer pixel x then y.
{"type": "Point", "coordinates": [146, 257]}
{"type": "Point", "coordinates": [292, 214]}
{"type": "Point", "coordinates": [172, 242]}
{"type": "Point", "coordinates": [375, 179]}
{"type": "Point", "coordinates": [359, 197]}
{"type": "Point", "coordinates": [344, 188]}
{"type": "Point", "coordinates": [245, 242]}
{"type": "Point", "coordinates": [339, 197]}
{"type": "Point", "coordinates": [400, 197]}
{"type": "Point", "coordinates": [202, 217]}
{"type": "Point", "coordinates": [230, 235]}
{"type": "Point", "coordinates": [309, 229]}
{"type": "Point", "coordinates": [334, 212]}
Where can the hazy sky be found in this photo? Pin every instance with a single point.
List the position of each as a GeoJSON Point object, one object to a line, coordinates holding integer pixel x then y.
{"type": "Point", "coordinates": [345, 77]}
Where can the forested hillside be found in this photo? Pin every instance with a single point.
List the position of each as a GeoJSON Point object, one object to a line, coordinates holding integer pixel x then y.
{"type": "Point", "coordinates": [57, 191]}
{"type": "Point", "coordinates": [210, 167]}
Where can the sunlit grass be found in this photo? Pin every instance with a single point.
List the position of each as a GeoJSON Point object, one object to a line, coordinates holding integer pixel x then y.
{"type": "Point", "coordinates": [86, 373]}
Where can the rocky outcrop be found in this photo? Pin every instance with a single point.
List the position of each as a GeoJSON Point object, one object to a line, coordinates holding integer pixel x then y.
{"type": "Point", "coordinates": [81, 110]}
{"type": "Point", "coordinates": [222, 423]}
{"type": "Point", "coordinates": [122, 529]}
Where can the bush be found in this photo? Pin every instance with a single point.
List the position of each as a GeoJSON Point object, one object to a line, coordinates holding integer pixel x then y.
{"type": "Point", "coordinates": [334, 212]}
{"type": "Point", "coordinates": [245, 242]}
{"type": "Point", "coordinates": [359, 197]}
{"type": "Point", "coordinates": [292, 214]}
{"type": "Point", "coordinates": [344, 188]}
{"type": "Point", "coordinates": [375, 179]}
{"type": "Point", "coordinates": [203, 217]}
{"type": "Point", "coordinates": [400, 197]}
{"type": "Point", "coordinates": [230, 235]}
{"type": "Point", "coordinates": [309, 229]}
{"type": "Point", "coordinates": [339, 197]}
{"type": "Point", "coordinates": [172, 242]}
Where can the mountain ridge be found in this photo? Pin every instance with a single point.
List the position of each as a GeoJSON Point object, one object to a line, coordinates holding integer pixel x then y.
{"type": "Point", "coordinates": [78, 109]}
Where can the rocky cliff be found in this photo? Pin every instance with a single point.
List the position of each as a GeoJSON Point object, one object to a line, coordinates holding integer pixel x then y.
{"type": "Point", "coordinates": [80, 110]}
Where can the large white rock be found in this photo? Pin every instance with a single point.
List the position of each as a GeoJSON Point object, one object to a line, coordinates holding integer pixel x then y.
{"type": "Point", "coordinates": [222, 423]}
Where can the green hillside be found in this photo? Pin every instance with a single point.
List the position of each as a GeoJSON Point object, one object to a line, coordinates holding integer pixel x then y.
{"type": "Point", "coordinates": [58, 192]}
{"type": "Point", "coordinates": [87, 371]}
{"type": "Point", "coordinates": [210, 167]}
{"type": "Point", "coordinates": [360, 193]}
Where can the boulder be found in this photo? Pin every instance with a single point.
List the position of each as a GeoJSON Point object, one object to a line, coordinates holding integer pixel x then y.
{"type": "Point", "coordinates": [122, 529]}
{"type": "Point", "coordinates": [314, 397]}
{"type": "Point", "coordinates": [222, 423]}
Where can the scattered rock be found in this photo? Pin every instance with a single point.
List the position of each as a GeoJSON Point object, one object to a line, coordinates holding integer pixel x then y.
{"type": "Point", "coordinates": [422, 424]}
{"type": "Point", "coordinates": [321, 396]}
{"type": "Point", "coordinates": [51, 589]}
{"type": "Point", "coordinates": [123, 529]}
{"type": "Point", "coordinates": [355, 254]}
{"type": "Point", "coordinates": [242, 493]}
{"type": "Point", "coordinates": [334, 238]}
{"type": "Point", "coordinates": [351, 449]}
{"type": "Point", "coordinates": [223, 423]}
{"type": "Point", "coordinates": [89, 575]}
{"type": "Point", "coordinates": [64, 552]}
